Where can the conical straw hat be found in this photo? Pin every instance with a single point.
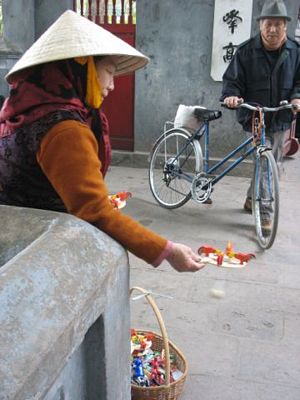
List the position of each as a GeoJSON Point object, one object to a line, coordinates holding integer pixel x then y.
{"type": "Point", "coordinates": [72, 35]}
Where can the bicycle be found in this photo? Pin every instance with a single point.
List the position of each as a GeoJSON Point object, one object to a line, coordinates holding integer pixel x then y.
{"type": "Point", "coordinates": [179, 171]}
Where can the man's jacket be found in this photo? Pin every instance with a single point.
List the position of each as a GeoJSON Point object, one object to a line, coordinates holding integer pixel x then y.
{"type": "Point", "coordinates": [252, 76]}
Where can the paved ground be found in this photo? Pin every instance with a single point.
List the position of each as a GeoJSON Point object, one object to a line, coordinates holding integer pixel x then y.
{"type": "Point", "coordinates": [245, 345]}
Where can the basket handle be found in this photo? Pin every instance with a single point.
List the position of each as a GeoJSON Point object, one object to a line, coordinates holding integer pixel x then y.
{"type": "Point", "coordinates": [162, 327]}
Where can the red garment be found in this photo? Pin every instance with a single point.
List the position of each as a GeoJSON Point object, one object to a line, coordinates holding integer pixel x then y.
{"type": "Point", "coordinates": [40, 90]}
{"type": "Point", "coordinates": [105, 147]}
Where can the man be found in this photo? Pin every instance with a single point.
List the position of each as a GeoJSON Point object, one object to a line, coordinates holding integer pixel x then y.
{"type": "Point", "coordinates": [265, 70]}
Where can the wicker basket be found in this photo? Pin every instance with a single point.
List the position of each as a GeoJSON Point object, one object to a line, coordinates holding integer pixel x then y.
{"type": "Point", "coordinates": [169, 391]}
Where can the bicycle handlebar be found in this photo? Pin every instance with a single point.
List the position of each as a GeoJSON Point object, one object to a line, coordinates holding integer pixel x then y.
{"type": "Point", "coordinates": [282, 106]}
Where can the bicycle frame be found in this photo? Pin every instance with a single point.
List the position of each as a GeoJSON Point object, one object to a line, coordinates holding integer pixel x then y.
{"type": "Point", "coordinates": [210, 170]}
{"type": "Point", "coordinates": [203, 131]}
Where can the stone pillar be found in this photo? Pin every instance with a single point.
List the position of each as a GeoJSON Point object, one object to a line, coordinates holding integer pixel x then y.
{"type": "Point", "coordinates": [45, 14]}
{"type": "Point", "coordinates": [18, 35]}
{"type": "Point", "coordinates": [23, 22]}
{"type": "Point", "coordinates": [64, 316]}
{"type": "Point", "coordinates": [18, 24]}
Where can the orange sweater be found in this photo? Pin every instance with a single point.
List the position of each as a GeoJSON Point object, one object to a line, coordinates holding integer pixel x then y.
{"type": "Point", "coordinates": [68, 156]}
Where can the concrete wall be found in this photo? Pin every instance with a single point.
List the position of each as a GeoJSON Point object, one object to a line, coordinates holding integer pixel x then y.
{"type": "Point", "coordinates": [64, 315]}
{"type": "Point", "coordinates": [177, 36]}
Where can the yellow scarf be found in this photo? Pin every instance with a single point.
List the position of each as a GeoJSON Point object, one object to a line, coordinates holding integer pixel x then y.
{"type": "Point", "coordinates": [93, 90]}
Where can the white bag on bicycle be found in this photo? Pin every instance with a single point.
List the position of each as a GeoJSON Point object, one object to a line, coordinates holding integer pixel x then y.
{"type": "Point", "coordinates": [185, 117]}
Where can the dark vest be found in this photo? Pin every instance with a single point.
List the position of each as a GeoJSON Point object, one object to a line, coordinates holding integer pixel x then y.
{"type": "Point", "coordinates": [22, 182]}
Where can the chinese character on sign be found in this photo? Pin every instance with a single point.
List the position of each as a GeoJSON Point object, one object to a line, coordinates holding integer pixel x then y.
{"type": "Point", "coordinates": [232, 26]}
{"type": "Point", "coordinates": [232, 18]}
{"type": "Point", "coordinates": [230, 48]}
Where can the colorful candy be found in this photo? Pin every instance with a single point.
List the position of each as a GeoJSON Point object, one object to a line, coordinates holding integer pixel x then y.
{"type": "Point", "coordinates": [148, 365]}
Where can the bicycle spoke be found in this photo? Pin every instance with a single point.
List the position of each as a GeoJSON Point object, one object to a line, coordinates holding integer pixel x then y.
{"type": "Point", "coordinates": [266, 199]}
{"type": "Point", "coordinates": [174, 161]}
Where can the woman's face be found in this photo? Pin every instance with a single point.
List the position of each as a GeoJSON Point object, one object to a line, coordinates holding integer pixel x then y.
{"type": "Point", "coordinates": [106, 69]}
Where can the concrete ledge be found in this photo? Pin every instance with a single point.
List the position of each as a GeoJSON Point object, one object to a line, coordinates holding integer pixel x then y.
{"type": "Point", "coordinates": [138, 159]}
{"type": "Point", "coordinates": [63, 287]}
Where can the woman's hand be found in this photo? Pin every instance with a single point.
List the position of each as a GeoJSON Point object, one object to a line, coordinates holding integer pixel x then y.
{"type": "Point", "coordinates": [183, 259]}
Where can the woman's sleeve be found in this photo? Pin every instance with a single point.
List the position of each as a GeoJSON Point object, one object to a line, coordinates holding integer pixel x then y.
{"type": "Point", "coordinates": [68, 156]}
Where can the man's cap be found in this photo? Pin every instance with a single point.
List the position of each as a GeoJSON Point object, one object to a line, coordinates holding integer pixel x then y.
{"type": "Point", "coordinates": [72, 35]}
{"type": "Point", "coordinates": [274, 9]}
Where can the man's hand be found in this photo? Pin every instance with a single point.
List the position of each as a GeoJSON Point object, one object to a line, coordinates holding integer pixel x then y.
{"type": "Point", "coordinates": [233, 101]}
{"type": "Point", "coordinates": [183, 259]}
{"type": "Point", "coordinates": [296, 102]}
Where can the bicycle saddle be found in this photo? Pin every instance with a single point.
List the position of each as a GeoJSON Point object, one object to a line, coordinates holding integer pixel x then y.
{"type": "Point", "coordinates": [202, 114]}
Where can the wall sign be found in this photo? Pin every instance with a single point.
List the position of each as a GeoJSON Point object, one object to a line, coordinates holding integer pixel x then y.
{"type": "Point", "coordinates": [232, 26]}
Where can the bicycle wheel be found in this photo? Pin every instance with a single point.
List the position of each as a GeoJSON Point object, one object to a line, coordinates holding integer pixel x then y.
{"type": "Point", "coordinates": [265, 199]}
{"type": "Point", "coordinates": [174, 161]}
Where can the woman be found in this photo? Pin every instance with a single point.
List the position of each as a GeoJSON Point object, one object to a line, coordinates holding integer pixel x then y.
{"type": "Point", "coordinates": [54, 146]}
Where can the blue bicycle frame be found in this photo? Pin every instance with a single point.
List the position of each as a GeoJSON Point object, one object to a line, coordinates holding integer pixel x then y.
{"type": "Point", "coordinates": [211, 170]}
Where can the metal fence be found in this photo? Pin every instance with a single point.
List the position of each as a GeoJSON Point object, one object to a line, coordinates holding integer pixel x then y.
{"type": "Point", "coordinates": [107, 11]}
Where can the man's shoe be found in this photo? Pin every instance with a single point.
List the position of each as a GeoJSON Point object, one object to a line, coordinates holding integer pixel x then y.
{"type": "Point", "coordinates": [248, 205]}
{"type": "Point", "coordinates": [208, 201]}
